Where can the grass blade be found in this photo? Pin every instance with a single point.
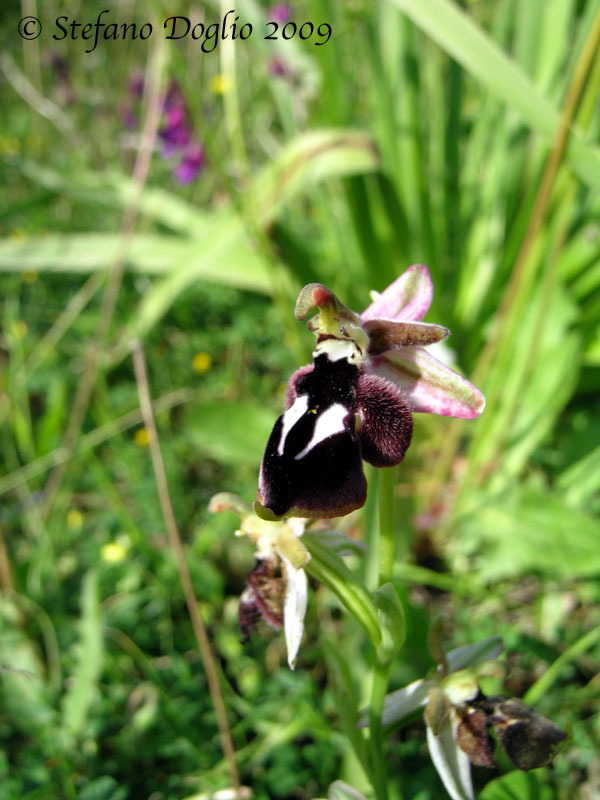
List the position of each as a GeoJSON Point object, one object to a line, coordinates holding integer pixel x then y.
{"type": "Point", "coordinates": [466, 42]}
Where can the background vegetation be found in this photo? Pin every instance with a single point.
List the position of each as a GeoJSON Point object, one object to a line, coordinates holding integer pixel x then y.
{"type": "Point", "coordinates": [462, 138]}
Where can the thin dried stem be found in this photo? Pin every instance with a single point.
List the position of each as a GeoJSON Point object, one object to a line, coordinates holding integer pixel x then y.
{"type": "Point", "coordinates": [184, 574]}
{"type": "Point", "coordinates": [153, 94]}
{"type": "Point", "coordinates": [6, 580]}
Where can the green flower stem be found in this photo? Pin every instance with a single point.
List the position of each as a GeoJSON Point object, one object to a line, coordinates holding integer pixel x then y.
{"type": "Point", "coordinates": [387, 533]}
{"type": "Point", "coordinates": [387, 554]}
{"type": "Point", "coordinates": [378, 765]}
{"type": "Point", "coordinates": [369, 574]}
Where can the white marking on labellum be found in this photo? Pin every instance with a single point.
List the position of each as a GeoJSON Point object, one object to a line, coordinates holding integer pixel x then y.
{"type": "Point", "coordinates": [336, 349]}
{"type": "Point", "coordinates": [328, 423]}
{"type": "Point", "coordinates": [298, 408]}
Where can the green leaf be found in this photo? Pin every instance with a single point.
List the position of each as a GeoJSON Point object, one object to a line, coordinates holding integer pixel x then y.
{"type": "Point", "coordinates": [544, 395]}
{"type": "Point", "coordinates": [403, 703]}
{"type": "Point", "coordinates": [84, 680]}
{"type": "Point", "coordinates": [103, 788]}
{"type": "Point", "coordinates": [309, 159]}
{"type": "Point", "coordinates": [25, 695]}
{"type": "Point", "coordinates": [341, 791]}
{"type": "Point", "coordinates": [235, 264]}
{"type": "Point", "coordinates": [231, 432]}
{"type": "Point", "coordinates": [391, 622]}
{"type": "Point", "coordinates": [223, 248]}
{"type": "Point", "coordinates": [519, 786]}
{"type": "Point", "coordinates": [555, 30]}
{"type": "Point", "coordinates": [340, 543]}
{"type": "Point", "coordinates": [531, 530]}
{"type": "Point", "coordinates": [113, 189]}
{"type": "Point", "coordinates": [472, 654]}
{"type": "Point", "coordinates": [329, 569]}
{"type": "Point", "coordinates": [457, 33]}
{"type": "Point", "coordinates": [581, 480]}
{"type": "Point", "coordinates": [339, 671]}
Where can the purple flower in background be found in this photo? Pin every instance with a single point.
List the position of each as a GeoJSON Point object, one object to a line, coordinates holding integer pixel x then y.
{"type": "Point", "coordinates": [136, 84]}
{"type": "Point", "coordinates": [128, 117]}
{"type": "Point", "coordinates": [280, 12]}
{"type": "Point", "coordinates": [64, 88]}
{"type": "Point", "coordinates": [279, 68]}
{"type": "Point", "coordinates": [176, 133]}
{"type": "Point", "coordinates": [178, 139]}
{"type": "Point", "coordinates": [191, 163]}
{"type": "Point", "coordinates": [135, 87]}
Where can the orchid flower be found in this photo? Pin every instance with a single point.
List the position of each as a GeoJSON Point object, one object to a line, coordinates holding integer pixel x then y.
{"type": "Point", "coordinates": [397, 344]}
{"type": "Point", "coordinates": [370, 372]}
{"type": "Point", "coordinates": [459, 716]}
{"type": "Point", "coordinates": [276, 589]}
{"type": "Point", "coordinates": [458, 719]}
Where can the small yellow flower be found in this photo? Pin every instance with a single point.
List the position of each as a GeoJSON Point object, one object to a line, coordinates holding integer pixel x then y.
{"type": "Point", "coordinates": [19, 329]}
{"type": "Point", "coordinates": [29, 276]}
{"type": "Point", "coordinates": [9, 146]}
{"type": "Point", "coordinates": [142, 437]}
{"type": "Point", "coordinates": [113, 552]}
{"type": "Point", "coordinates": [74, 519]}
{"type": "Point", "coordinates": [220, 84]}
{"type": "Point", "coordinates": [201, 363]}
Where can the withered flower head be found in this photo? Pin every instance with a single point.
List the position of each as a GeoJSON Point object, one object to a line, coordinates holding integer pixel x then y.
{"type": "Point", "coordinates": [527, 738]}
{"type": "Point", "coordinates": [276, 589]}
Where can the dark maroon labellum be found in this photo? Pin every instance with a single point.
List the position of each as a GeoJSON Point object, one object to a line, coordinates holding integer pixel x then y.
{"type": "Point", "coordinates": [473, 737]}
{"type": "Point", "coordinates": [262, 598]}
{"type": "Point", "coordinates": [336, 417]}
{"type": "Point", "coordinates": [528, 739]}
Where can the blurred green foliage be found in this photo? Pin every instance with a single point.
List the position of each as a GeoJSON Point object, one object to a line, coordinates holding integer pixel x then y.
{"type": "Point", "coordinates": [418, 133]}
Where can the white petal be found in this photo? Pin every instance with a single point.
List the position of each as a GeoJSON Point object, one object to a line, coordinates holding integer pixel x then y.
{"type": "Point", "coordinates": [290, 418]}
{"type": "Point", "coordinates": [341, 791]}
{"type": "Point", "coordinates": [401, 703]}
{"type": "Point", "coordinates": [328, 423]}
{"type": "Point", "coordinates": [451, 763]}
{"type": "Point", "coordinates": [297, 525]}
{"type": "Point", "coordinates": [294, 609]}
{"type": "Point", "coordinates": [336, 349]}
